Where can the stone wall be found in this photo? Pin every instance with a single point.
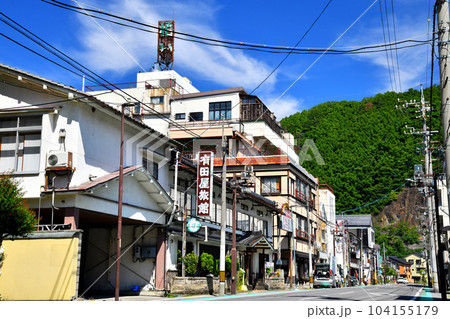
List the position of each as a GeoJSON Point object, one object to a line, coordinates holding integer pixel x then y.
{"type": "Point", "coordinates": [199, 285]}
{"type": "Point", "coordinates": [275, 283]}
{"type": "Point", "coordinates": [193, 285]}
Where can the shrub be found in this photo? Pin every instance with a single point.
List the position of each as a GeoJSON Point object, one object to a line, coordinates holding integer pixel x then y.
{"type": "Point", "coordinates": [207, 264]}
{"type": "Point", "coordinates": [191, 263]}
{"type": "Point", "coordinates": [228, 265]}
{"type": "Point", "coordinates": [240, 279]}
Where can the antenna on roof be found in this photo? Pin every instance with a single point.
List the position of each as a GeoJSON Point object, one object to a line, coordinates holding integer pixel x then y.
{"type": "Point", "coordinates": [165, 48]}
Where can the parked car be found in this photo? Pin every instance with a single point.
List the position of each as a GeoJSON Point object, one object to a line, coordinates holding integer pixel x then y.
{"type": "Point", "coordinates": [401, 280]}
{"type": "Point", "coordinates": [323, 276]}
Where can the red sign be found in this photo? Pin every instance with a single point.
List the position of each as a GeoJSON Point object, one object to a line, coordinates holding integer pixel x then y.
{"type": "Point", "coordinates": [204, 183]}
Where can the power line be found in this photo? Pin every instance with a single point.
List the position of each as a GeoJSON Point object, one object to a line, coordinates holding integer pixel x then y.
{"type": "Point", "coordinates": [396, 49]}
{"type": "Point", "coordinates": [389, 38]}
{"type": "Point", "coordinates": [384, 37]}
{"type": "Point", "coordinates": [235, 44]}
{"type": "Point", "coordinates": [373, 202]}
{"type": "Point", "coordinates": [75, 64]}
{"type": "Point", "coordinates": [298, 42]}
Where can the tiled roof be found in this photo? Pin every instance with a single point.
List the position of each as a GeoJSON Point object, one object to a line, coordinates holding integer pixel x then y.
{"type": "Point", "coordinates": [356, 220]}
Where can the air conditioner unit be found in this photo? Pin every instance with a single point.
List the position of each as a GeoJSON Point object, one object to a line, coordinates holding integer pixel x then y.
{"type": "Point", "coordinates": [58, 159]}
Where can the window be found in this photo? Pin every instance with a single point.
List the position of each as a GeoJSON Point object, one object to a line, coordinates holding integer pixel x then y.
{"type": "Point", "coordinates": [301, 223]}
{"type": "Point", "coordinates": [180, 116]}
{"type": "Point", "coordinates": [243, 222]}
{"type": "Point", "coordinates": [244, 207]}
{"type": "Point", "coordinates": [418, 262]}
{"type": "Point", "coordinates": [152, 167]}
{"type": "Point", "coordinates": [195, 116]}
{"type": "Point", "coordinates": [20, 143]}
{"type": "Point", "coordinates": [217, 109]}
{"type": "Point", "coordinates": [265, 228]}
{"type": "Point", "coordinates": [137, 108]}
{"type": "Point", "coordinates": [292, 187]}
{"type": "Point", "coordinates": [270, 185]}
{"type": "Point", "coordinates": [157, 100]}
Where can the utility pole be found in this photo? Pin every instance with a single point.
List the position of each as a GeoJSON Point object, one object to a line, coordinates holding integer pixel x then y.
{"type": "Point", "coordinates": [183, 244]}
{"type": "Point", "coordinates": [443, 46]}
{"type": "Point", "coordinates": [441, 247]}
{"type": "Point", "coordinates": [233, 247]}
{"type": "Point", "coordinates": [344, 254]}
{"type": "Point", "coordinates": [427, 179]}
{"type": "Point", "coordinates": [119, 210]}
{"type": "Point", "coordinates": [310, 268]}
{"type": "Point", "coordinates": [223, 215]}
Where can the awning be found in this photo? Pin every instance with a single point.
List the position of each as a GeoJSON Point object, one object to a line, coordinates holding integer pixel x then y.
{"type": "Point", "coordinates": [255, 240]}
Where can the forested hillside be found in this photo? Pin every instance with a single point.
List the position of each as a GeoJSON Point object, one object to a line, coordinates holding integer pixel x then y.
{"type": "Point", "coordinates": [368, 158]}
{"type": "Point", "coordinates": [366, 153]}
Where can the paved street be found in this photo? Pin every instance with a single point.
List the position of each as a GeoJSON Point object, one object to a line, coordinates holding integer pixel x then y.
{"type": "Point", "coordinates": [361, 293]}
{"type": "Point", "coordinates": [391, 292]}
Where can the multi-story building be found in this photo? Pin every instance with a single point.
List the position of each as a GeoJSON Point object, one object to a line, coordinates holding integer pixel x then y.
{"type": "Point", "coordinates": [418, 267]}
{"type": "Point", "coordinates": [254, 141]}
{"type": "Point", "coordinates": [327, 213]}
{"type": "Point", "coordinates": [401, 266]}
{"type": "Point", "coordinates": [64, 145]}
{"type": "Point", "coordinates": [363, 240]}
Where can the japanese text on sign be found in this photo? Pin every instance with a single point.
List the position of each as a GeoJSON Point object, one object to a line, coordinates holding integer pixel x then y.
{"type": "Point", "coordinates": [204, 183]}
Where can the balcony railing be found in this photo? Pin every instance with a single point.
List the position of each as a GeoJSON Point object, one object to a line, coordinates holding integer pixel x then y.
{"type": "Point", "coordinates": [54, 227]}
{"type": "Point", "coordinates": [206, 123]}
{"type": "Point", "coordinates": [303, 198]}
{"type": "Point", "coordinates": [303, 235]}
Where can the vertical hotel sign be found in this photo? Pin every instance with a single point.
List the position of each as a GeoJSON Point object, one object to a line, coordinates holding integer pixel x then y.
{"type": "Point", "coordinates": [204, 183]}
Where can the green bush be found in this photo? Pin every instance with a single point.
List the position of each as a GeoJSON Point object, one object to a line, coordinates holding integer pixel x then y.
{"type": "Point", "coordinates": [240, 279]}
{"type": "Point", "coordinates": [228, 265]}
{"type": "Point", "coordinates": [207, 264]}
{"type": "Point", "coordinates": [191, 263]}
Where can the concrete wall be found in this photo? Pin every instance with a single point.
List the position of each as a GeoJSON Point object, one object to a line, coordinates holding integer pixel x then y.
{"type": "Point", "coordinates": [201, 104]}
{"type": "Point", "coordinates": [41, 267]}
{"type": "Point", "coordinates": [101, 251]}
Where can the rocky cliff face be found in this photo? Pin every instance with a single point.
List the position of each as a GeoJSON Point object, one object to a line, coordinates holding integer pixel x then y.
{"type": "Point", "coordinates": [407, 208]}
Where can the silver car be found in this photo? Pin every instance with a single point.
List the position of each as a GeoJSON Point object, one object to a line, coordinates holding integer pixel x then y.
{"type": "Point", "coordinates": [324, 278]}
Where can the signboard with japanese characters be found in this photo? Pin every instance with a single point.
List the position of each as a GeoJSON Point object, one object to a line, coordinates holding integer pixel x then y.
{"type": "Point", "coordinates": [286, 219]}
{"type": "Point", "coordinates": [204, 183]}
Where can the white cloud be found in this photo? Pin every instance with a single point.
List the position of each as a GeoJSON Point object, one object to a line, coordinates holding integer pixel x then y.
{"type": "Point", "coordinates": [412, 62]}
{"type": "Point", "coordinates": [285, 106]}
{"type": "Point", "coordinates": [217, 64]}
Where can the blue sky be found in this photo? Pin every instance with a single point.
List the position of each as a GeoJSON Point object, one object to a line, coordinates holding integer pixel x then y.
{"type": "Point", "coordinates": [301, 82]}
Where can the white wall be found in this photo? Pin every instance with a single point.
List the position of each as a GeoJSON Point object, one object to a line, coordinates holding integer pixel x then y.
{"type": "Point", "coordinates": [92, 136]}
{"type": "Point", "coordinates": [262, 130]}
{"type": "Point", "coordinates": [154, 77]}
{"type": "Point", "coordinates": [201, 104]}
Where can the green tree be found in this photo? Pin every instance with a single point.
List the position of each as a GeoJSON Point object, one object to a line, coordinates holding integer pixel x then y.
{"type": "Point", "coordinates": [363, 145]}
{"type": "Point", "coordinates": [16, 219]}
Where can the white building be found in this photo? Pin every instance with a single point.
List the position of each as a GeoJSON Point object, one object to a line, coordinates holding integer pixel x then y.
{"type": "Point", "coordinates": [63, 145]}
{"type": "Point", "coordinates": [327, 210]}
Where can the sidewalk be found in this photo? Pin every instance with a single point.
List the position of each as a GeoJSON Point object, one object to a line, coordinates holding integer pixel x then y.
{"type": "Point", "coordinates": [159, 296]}
{"type": "Point", "coordinates": [429, 295]}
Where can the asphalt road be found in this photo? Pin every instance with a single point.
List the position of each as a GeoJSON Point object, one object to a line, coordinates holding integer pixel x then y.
{"type": "Point", "coordinates": [393, 292]}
